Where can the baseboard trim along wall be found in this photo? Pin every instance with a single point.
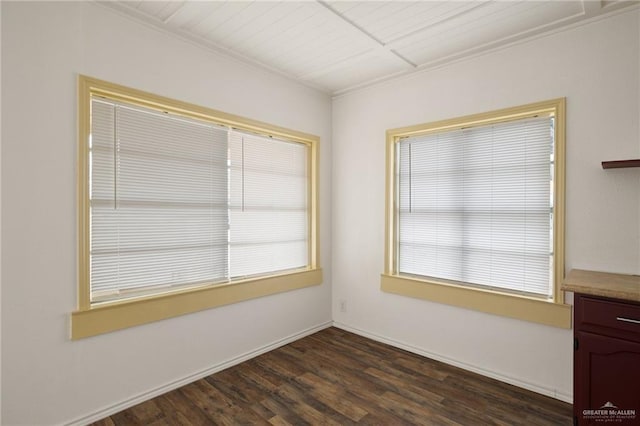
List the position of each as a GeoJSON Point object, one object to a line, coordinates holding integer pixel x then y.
{"type": "Point", "coordinates": [553, 393]}
{"type": "Point", "coordinates": [130, 402]}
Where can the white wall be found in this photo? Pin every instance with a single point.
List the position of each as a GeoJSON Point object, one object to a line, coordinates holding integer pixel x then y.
{"type": "Point", "coordinates": [596, 67]}
{"type": "Point", "coordinates": [46, 378]}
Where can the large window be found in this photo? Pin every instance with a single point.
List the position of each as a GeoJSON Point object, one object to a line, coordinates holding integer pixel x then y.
{"type": "Point", "coordinates": [476, 210]}
{"type": "Point", "coordinates": [181, 205]}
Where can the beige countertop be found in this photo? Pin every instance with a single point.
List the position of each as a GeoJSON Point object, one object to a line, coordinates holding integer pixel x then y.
{"type": "Point", "coordinates": [605, 284]}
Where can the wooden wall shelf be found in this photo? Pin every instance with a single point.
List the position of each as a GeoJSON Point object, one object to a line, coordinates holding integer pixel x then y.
{"type": "Point", "coordinates": [620, 164]}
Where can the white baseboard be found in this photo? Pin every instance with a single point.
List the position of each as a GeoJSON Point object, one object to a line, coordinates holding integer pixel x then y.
{"type": "Point", "coordinates": [553, 393]}
{"type": "Point", "coordinates": [130, 402]}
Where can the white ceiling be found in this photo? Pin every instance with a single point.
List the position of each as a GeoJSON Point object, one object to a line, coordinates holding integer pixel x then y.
{"type": "Point", "coordinates": [338, 46]}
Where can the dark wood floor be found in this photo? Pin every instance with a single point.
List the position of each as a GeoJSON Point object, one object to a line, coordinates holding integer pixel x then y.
{"type": "Point", "coordinates": [338, 378]}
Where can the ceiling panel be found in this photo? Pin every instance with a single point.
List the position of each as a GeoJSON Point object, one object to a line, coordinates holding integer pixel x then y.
{"type": "Point", "coordinates": [337, 46]}
{"type": "Point", "coordinates": [262, 22]}
{"type": "Point", "coordinates": [296, 37]}
{"type": "Point", "coordinates": [483, 26]}
{"type": "Point", "coordinates": [190, 14]}
{"type": "Point", "coordinates": [387, 21]}
{"type": "Point", "coordinates": [230, 18]}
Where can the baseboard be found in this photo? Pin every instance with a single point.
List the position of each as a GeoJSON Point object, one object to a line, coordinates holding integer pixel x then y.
{"type": "Point", "coordinates": [130, 402]}
{"type": "Point", "coordinates": [553, 393]}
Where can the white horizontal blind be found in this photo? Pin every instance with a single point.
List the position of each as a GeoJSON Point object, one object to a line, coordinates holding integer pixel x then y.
{"type": "Point", "coordinates": [269, 228]}
{"type": "Point", "coordinates": [158, 201]}
{"type": "Point", "coordinates": [475, 206]}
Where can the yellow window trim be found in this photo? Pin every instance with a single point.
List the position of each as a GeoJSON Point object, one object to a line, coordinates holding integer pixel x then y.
{"type": "Point", "coordinates": [124, 314]}
{"type": "Point", "coordinates": [93, 319]}
{"type": "Point", "coordinates": [553, 312]}
{"type": "Point", "coordinates": [491, 302]}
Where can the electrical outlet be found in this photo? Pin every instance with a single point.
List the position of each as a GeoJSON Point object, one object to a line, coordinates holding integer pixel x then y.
{"type": "Point", "coordinates": [343, 306]}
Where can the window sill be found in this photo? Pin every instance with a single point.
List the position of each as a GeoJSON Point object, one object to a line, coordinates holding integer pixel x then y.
{"type": "Point", "coordinates": [491, 302]}
{"type": "Point", "coordinates": [119, 315]}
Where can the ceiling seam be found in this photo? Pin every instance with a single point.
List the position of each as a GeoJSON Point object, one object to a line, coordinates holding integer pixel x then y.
{"type": "Point", "coordinates": [174, 13]}
{"type": "Point", "coordinates": [378, 44]}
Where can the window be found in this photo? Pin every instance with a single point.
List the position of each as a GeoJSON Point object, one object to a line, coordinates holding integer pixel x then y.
{"type": "Point", "coordinates": [158, 191]}
{"type": "Point", "coordinates": [184, 208]}
{"type": "Point", "coordinates": [475, 211]}
{"type": "Point", "coordinates": [268, 206]}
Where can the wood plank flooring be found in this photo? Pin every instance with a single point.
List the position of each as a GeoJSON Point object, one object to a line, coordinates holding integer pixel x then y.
{"type": "Point", "coordinates": [338, 378]}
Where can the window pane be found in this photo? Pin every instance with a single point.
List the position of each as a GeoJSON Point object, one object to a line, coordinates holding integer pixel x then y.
{"type": "Point", "coordinates": [475, 205]}
{"type": "Point", "coordinates": [158, 201]}
{"type": "Point", "coordinates": [268, 205]}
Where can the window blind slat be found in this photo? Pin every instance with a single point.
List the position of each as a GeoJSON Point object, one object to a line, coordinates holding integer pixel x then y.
{"type": "Point", "coordinates": [177, 201]}
{"type": "Point", "coordinates": [474, 205]}
{"type": "Point", "coordinates": [268, 205]}
{"type": "Point", "coordinates": [158, 201]}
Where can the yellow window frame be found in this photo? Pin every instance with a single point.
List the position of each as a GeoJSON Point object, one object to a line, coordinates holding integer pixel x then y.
{"type": "Point", "coordinates": [91, 319]}
{"type": "Point", "coordinates": [552, 312]}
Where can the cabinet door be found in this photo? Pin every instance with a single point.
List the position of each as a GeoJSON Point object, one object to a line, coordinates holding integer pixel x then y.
{"type": "Point", "coordinates": [607, 379]}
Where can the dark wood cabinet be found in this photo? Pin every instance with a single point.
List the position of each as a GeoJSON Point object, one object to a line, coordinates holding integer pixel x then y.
{"type": "Point", "coordinates": [606, 361]}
